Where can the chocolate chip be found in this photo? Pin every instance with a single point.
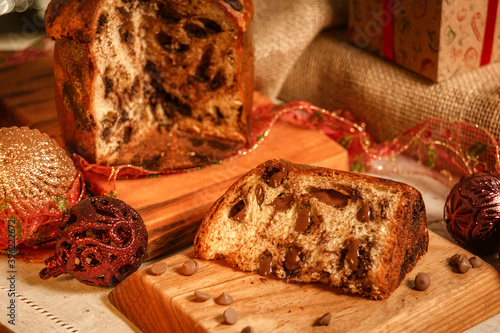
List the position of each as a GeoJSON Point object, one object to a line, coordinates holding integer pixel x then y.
{"type": "Point", "coordinates": [224, 299]}
{"type": "Point", "coordinates": [283, 202]}
{"type": "Point", "coordinates": [158, 268]}
{"type": "Point", "coordinates": [101, 22]}
{"type": "Point", "coordinates": [108, 86]}
{"type": "Point", "coordinates": [331, 197]}
{"type": "Point", "coordinates": [265, 265]}
{"type": "Point", "coordinates": [323, 320]}
{"type": "Point", "coordinates": [364, 213]}
{"type": "Point", "coordinates": [167, 43]}
{"type": "Point", "coordinates": [461, 262]}
{"type": "Point", "coordinates": [292, 258]}
{"type": "Point", "coordinates": [260, 195]}
{"type": "Point", "coordinates": [190, 267]}
{"type": "Point", "coordinates": [170, 103]}
{"type": "Point", "coordinates": [384, 208]}
{"type": "Point", "coordinates": [455, 259]}
{"type": "Point", "coordinates": [195, 31]}
{"type": "Point", "coordinates": [151, 68]}
{"type": "Point", "coordinates": [126, 33]}
{"type": "Point", "coordinates": [303, 219]}
{"type": "Point", "coordinates": [200, 296]}
{"type": "Point", "coordinates": [230, 316]}
{"type": "Point", "coordinates": [276, 179]}
{"type": "Point", "coordinates": [219, 145]}
{"type": "Point", "coordinates": [123, 11]}
{"type": "Point", "coordinates": [106, 132]}
{"type": "Point", "coordinates": [196, 142]}
{"type": "Point", "coordinates": [182, 48]}
{"type": "Point", "coordinates": [218, 81]}
{"type": "Point", "coordinates": [476, 262]}
{"type": "Point", "coordinates": [464, 266]}
{"type": "Point", "coordinates": [219, 114]}
{"type": "Point", "coordinates": [211, 26]}
{"type": "Point", "coordinates": [168, 14]}
{"type": "Point", "coordinates": [202, 74]}
{"type": "Point", "coordinates": [352, 254]}
{"type": "Point", "coordinates": [248, 329]}
{"type": "Point", "coordinates": [164, 40]}
{"type": "Point", "coordinates": [238, 211]}
{"type": "Point", "coordinates": [127, 133]}
{"type": "Point", "coordinates": [235, 4]}
{"type": "Point", "coordinates": [422, 281]}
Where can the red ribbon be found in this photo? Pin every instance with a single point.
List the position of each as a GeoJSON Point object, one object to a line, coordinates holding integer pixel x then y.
{"type": "Point", "coordinates": [388, 30]}
{"type": "Point", "coordinates": [489, 32]}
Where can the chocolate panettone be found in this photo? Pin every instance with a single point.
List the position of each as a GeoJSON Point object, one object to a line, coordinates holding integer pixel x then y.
{"type": "Point", "coordinates": [159, 84]}
{"type": "Point", "coordinates": [308, 224]}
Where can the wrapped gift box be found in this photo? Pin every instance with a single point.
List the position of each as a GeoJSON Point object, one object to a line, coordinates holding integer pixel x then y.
{"type": "Point", "coordinates": [435, 38]}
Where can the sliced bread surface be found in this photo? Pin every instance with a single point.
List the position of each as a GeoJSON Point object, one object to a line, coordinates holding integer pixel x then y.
{"type": "Point", "coordinates": [310, 224]}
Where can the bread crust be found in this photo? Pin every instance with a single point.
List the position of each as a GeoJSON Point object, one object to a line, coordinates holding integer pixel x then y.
{"type": "Point", "coordinates": [406, 240]}
{"type": "Point", "coordinates": [73, 20]}
{"type": "Point", "coordinates": [78, 28]}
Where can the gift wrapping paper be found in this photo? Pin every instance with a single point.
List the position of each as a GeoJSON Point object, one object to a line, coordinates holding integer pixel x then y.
{"type": "Point", "coordinates": [435, 38]}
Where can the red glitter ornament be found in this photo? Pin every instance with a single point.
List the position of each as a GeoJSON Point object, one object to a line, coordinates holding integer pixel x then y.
{"type": "Point", "coordinates": [472, 212]}
{"type": "Point", "coordinates": [38, 184]}
{"type": "Point", "coordinates": [100, 242]}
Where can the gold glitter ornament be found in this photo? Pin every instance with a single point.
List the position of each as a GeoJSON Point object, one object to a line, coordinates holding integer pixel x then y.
{"type": "Point", "coordinates": [38, 184]}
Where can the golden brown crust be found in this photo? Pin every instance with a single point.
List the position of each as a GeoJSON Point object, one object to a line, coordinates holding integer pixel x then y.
{"type": "Point", "coordinates": [71, 19]}
{"type": "Point", "coordinates": [73, 75]}
{"type": "Point", "coordinates": [79, 20]}
{"type": "Point", "coordinates": [385, 257]}
{"type": "Point", "coordinates": [98, 98]}
{"type": "Point", "coordinates": [241, 13]}
{"type": "Point", "coordinates": [410, 234]}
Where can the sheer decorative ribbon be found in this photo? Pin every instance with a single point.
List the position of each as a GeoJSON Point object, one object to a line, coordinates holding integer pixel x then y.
{"type": "Point", "coordinates": [444, 150]}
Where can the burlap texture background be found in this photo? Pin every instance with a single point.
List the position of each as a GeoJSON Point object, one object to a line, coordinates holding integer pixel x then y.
{"type": "Point", "coordinates": [283, 29]}
{"type": "Point", "coordinates": [301, 53]}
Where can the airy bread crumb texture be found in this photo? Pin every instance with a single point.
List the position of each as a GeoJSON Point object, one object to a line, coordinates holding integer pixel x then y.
{"type": "Point", "coordinates": [156, 84]}
{"type": "Point", "coordinates": [176, 59]}
{"type": "Point", "coordinates": [317, 224]}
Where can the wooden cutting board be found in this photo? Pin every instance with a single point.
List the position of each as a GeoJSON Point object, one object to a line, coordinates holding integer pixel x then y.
{"type": "Point", "coordinates": [172, 207]}
{"type": "Point", "coordinates": [165, 303]}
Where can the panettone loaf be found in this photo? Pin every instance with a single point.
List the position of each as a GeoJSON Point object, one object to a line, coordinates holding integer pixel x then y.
{"type": "Point", "coordinates": [309, 224]}
{"type": "Point", "coordinates": [159, 84]}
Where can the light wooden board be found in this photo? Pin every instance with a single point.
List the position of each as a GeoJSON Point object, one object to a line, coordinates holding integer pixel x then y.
{"type": "Point", "coordinates": [172, 207]}
{"type": "Point", "coordinates": [165, 303]}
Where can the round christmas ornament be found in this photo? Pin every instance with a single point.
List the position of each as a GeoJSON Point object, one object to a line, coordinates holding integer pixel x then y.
{"type": "Point", "coordinates": [100, 242]}
{"type": "Point", "coordinates": [472, 212]}
{"type": "Point", "coordinates": [38, 184]}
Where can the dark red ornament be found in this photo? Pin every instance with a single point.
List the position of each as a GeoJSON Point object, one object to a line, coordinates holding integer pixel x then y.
{"type": "Point", "coordinates": [472, 212]}
{"type": "Point", "coordinates": [100, 242]}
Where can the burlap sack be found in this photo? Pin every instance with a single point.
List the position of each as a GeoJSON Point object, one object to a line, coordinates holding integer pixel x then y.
{"type": "Point", "coordinates": [282, 31]}
{"type": "Point", "coordinates": [333, 74]}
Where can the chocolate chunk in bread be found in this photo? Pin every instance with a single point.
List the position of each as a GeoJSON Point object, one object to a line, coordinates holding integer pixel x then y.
{"type": "Point", "coordinates": [140, 82]}
{"type": "Point", "coordinates": [349, 230]}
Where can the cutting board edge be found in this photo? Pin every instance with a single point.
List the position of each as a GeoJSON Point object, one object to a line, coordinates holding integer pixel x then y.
{"type": "Point", "coordinates": [437, 325]}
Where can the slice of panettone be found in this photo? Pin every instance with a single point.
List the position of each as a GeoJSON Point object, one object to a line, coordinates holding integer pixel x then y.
{"type": "Point", "coordinates": [309, 224]}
